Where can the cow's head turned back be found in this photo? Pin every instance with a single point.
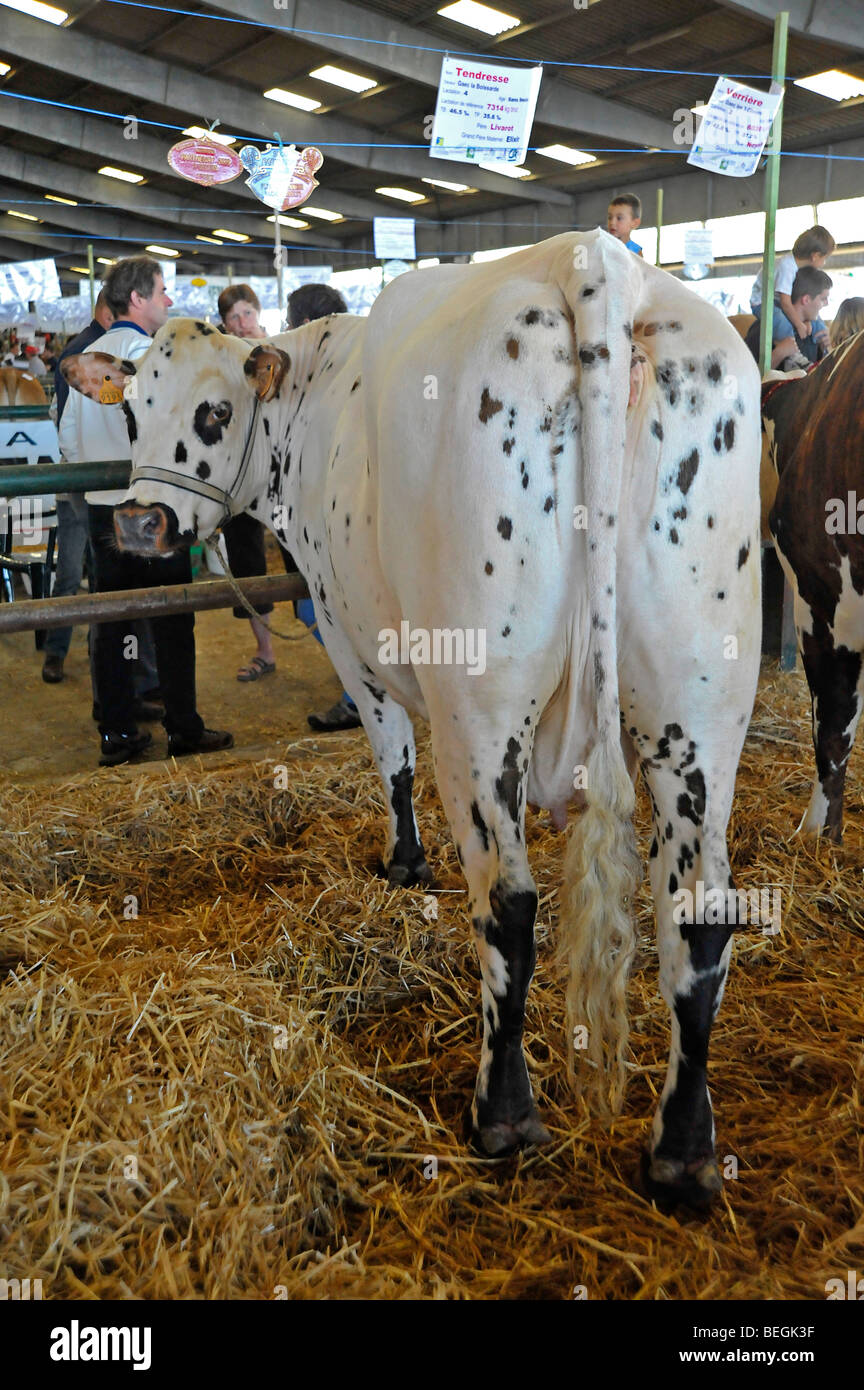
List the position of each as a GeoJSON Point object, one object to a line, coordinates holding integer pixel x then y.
{"type": "Point", "coordinates": [190, 405]}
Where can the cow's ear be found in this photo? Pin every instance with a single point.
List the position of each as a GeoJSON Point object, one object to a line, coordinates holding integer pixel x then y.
{"type": "Point", "coordinates": [265, 368]}
{"type": "Point", "coordinates": [98, 375]}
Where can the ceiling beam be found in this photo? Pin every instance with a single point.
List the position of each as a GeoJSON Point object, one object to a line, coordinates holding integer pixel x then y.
{"type": "Point", "coordinates": [22, 251]}
{"type": "Point", "coordinates": [104, 139]}
{"type": "Point", "coordinates": [45, 245]}
{"type": "Point", "coordinates": [834, 21]}
{"type": "Point", "coordinates": [95, 223]}
{"type": "Point", "coordinates": [141, 78]}
{"type": "Point", "coordinates": [165, 209]}
{"type": "Point", "coordinates": [399, 49]}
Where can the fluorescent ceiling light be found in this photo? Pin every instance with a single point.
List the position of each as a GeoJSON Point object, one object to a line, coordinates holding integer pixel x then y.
{"type": "Point", "coordinates": [833, 83]}
{"type": "Point", "coordinates": [79, 269]}
{"type": "Point", "coordinates": [291, 99]}
{"type": "Point", "coordinates": [566, 154]}
{"type": "Point", "coordinates": [105, 260]}
{"type": "Point", "coordinates": [198, 130]}
{"type": "Point", "coordinates": [341, 77]}
{"type": "Point", "coordinates": [55, 198]}
{"type": "Point", "coordinates": [451, 187]}
{"type": "Point", "coordinates": [427, 262]}
{"type": "Point", "coordinates": [511, 171]}
{"type": "Point", "coordinates": [25, 216]}
{"type": "Point", "coordinates": [124, 175]}
{"type": "Point", "coordinates": [481, 17]}
{"type": "Point", "coordinates": [214, 241]}
{"type": "Point", "coordinates": [49, 13]}
{"type": "Point", "coordinates": [402, 195]}
{"type": "Point", "coordinates": [4, 68]}
{"type": "Point", "coordinates": [289, 221]}
{"type": "Point", "coordinates": [324, 213]}
{"type": "Point", "coordinates": [229, 235]}
{"type": "Point", "coordinates": [161, 251]}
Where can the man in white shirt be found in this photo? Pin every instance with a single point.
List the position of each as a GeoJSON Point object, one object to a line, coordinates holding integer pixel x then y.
{"type": "Point", "coordinates": [89, 432]}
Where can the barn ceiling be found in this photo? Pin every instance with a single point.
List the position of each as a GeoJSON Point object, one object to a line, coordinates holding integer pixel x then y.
{"type": "Point", "coordinates": [213, 61]}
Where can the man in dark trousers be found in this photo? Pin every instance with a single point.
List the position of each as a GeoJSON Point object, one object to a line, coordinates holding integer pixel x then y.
{"type": "Point", "coordinates": [72, 530]}
{"type": "Point", "coordinates": [73, 544]}
{"type": "Point", "coordinates": [135, 293]}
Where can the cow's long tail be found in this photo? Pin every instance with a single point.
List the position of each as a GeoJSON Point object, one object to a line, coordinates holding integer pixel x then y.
{"type": "Point", "coordinates": [601, 866]}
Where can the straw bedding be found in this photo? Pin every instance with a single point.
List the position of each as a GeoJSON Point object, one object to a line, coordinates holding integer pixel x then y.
{"type": "Point", "coordinates": [237, 1093]}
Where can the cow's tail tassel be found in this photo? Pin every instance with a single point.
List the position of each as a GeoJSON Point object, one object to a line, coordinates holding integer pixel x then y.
{"type": "Point", "coordinates": [596, 936]}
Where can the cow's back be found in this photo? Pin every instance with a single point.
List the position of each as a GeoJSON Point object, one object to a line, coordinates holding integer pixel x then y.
{"type": "Point", "coordinates": [18, 387]}
{"type": "Point", "coordinates": [488, 371]}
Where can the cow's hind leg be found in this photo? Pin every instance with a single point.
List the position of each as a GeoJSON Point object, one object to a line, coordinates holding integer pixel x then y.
{"type": "Point", "coordinates": [690, 810]}
{"type": "Point", "coordinates": [481, 781]}
{"type": "Point", "coordinates": [834, 676]}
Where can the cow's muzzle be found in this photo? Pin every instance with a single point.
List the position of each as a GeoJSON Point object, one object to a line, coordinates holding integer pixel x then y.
{"type": "Point", "coordinates": [149, 530]}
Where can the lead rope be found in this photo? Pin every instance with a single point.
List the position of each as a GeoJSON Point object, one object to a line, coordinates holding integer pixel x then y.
{"type": "Point", "coordinates": [244, 603]}
{"type": "Point", "coordinates": [238, 593]}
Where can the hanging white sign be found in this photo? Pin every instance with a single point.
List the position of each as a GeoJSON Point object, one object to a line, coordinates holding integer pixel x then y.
{"type": "Point", "coordinates": [297, 275]}
{"type": "Point", "coordinates": [26, 280]}
{"type": "Point", "coordinates": [734, 129]}
{"type": "Point", "coordinates": [698, 247]}
{"type": "Point", "coordinates": [394, 238]}
{"type": "Point", "coordinates": [484, 111]}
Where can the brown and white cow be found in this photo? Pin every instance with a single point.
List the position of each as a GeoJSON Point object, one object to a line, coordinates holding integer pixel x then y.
{"type": "Point", "coordinates": [20, 387]}
{"type": "Point", "coordinates": [814, 430]}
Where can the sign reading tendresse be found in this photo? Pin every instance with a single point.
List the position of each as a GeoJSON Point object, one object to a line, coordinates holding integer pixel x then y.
{"type": "Point", "coordinates": [484, 111]}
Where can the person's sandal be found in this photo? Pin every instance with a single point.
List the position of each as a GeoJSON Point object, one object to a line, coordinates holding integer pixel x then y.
{"type": "Point", "coordinates": [255, 669]}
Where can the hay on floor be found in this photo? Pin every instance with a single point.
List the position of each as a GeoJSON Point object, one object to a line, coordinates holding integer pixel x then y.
{"type": "Point", "coordinates": [255, 1087]}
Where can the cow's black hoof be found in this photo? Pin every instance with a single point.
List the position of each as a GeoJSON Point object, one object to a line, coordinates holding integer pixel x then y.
{"type": "Point", "coordinates": [502, 1139]}
{"type": "Point", "coordinates": [408, 875]}
{"type": "Point", "coordinates": [670, 1182]}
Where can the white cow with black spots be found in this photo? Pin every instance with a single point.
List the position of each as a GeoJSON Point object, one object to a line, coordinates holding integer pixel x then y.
{"type": "Point", "coordinates": [550, 461]}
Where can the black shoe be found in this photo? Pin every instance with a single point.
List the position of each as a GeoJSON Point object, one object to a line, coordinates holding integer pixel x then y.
{"type": "Point", "coordinates": [52, 670]}
{"type": "Point", "coordinates": [210, 741]}
{"type": "Point", "coordinates": [148, 711]}
{"type": "Point", "coordinates": [119, 748]}
{"type": "Point", "coordinates": [339, 716]}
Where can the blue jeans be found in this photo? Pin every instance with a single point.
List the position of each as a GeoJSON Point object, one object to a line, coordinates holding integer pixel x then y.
{"type": "Point", "coordinates": [73, 540]}
{"type": "Point", "coordinates": [782, 326]}
{"type": "Point", "coordinates": [305, 610]}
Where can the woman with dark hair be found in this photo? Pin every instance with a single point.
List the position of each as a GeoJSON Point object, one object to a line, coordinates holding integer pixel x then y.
{"type": "Point", "coordinates": [239, 308]}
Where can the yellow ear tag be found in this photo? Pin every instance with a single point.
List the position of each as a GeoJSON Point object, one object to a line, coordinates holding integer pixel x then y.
{"type": "Point", "coordinates": [109, 394]}
{"type": "Point", "coordinates": [271, 368]}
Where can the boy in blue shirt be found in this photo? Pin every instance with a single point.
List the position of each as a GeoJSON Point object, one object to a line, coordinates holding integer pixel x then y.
{"type": "Point", "coordinates": [812, 248]}
{"type": "Point", "coordinates": [622, 218]}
